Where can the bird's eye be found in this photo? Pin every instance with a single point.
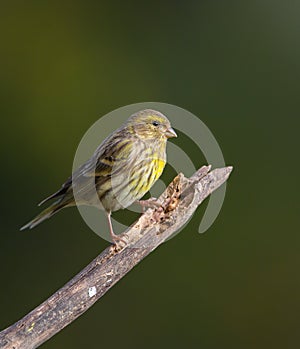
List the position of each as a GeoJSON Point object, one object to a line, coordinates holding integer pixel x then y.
{"type": "Point", "coordinates": [155, 123]}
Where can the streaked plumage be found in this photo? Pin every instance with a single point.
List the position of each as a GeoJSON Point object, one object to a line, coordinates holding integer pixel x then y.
{"type": "Point", "coordinates": [123, 168]}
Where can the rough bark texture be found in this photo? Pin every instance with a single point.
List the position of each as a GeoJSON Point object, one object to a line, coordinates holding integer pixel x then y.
{"type": "Point", "coordinates": [177, 204]}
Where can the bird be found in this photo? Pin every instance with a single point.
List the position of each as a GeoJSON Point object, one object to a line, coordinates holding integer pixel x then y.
{"type": "Point", "coordinates": [120, 172]}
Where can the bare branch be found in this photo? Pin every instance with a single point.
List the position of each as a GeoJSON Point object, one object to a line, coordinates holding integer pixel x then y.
{"type": "Point", "coordinates": [177, 204]}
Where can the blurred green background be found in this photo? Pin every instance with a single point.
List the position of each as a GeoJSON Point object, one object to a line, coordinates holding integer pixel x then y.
{"type": "Point", "coordinates": [235, 64]}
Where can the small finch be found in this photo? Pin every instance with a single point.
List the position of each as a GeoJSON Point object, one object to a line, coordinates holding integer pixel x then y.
{"type": "Point", "coordinates": [123, 168]}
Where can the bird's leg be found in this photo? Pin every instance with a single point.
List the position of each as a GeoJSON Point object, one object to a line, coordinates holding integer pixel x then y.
{"type": "Point", "coordinates": [115, 238]}
{"type": "Point", "coordinates": [150, 203]}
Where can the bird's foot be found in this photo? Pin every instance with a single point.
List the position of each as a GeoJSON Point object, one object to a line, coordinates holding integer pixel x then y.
{"type": "Point", "coordinates": [150, 203]}
{"type": "Point", "coordinates": [119, 241]}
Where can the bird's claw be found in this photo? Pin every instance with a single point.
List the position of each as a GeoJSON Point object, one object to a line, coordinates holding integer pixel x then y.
{"type": "Point", "coordinates": [119, 242]}
{"type": "Point", "coordinates": [150, 203]}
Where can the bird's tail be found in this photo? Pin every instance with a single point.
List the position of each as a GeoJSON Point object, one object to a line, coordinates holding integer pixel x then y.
{"type": "Point", "coordinates": [47, 213]}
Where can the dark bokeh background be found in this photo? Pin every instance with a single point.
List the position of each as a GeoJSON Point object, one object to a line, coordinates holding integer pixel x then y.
{"type": "Point", "coordinates": [236, 64]}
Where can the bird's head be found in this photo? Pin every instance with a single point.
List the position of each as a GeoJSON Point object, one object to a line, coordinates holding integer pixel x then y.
{"type": "Point", "coordinates": [150, 124]}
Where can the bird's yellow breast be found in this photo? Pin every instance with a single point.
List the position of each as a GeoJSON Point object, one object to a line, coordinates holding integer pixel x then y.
{"type": "Point", "coordinates": [150, 176]}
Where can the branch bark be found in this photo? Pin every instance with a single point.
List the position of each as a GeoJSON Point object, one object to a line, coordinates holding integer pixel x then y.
{"type": "Point", "coordinates": [156, 225]}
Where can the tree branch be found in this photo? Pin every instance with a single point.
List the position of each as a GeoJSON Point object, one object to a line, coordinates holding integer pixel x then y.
{"type": "Point", "coordinates": [177, 204]}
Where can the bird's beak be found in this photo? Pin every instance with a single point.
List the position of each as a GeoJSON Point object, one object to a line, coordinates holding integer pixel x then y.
{"type": "Point", "coordinates": [170, 133]}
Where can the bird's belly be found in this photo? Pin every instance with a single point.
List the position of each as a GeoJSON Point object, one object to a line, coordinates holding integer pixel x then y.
{"type": "Point", "coordinates": [143, 182]}
{"type": "Point", "coordinates": [133, 187]}
{"type": "Point", "coordinates": [151, 175]}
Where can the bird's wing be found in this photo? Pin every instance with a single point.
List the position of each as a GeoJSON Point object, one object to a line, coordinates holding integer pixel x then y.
{"type": "Point", "coordinates": [110, 158]}
{"type": "Point", "coordinates": [113, 155]}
